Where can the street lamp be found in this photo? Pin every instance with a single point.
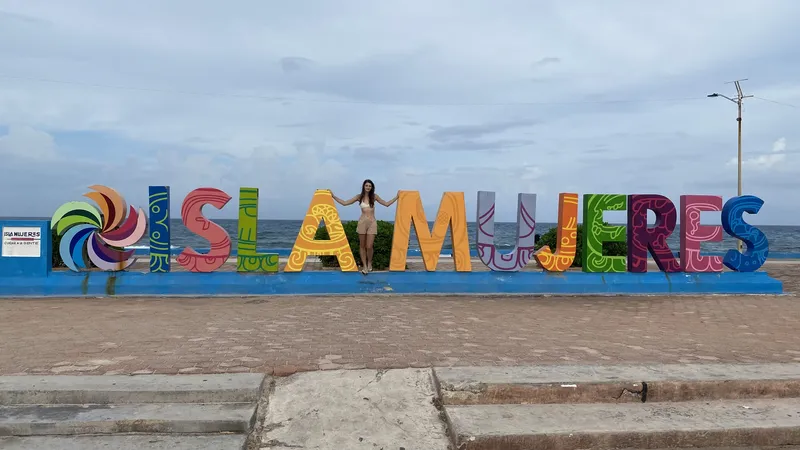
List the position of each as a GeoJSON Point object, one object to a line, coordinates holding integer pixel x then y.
{"type": "Point", "coordinates": [738, 100]}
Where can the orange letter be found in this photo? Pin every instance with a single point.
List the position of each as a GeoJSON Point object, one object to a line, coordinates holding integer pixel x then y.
{"type": "Point", "coordinates": [451, 214]}
{"type": "Point", "coordinates": [567, 237]}
{"type": "Point", "coordinates": [321, 209]}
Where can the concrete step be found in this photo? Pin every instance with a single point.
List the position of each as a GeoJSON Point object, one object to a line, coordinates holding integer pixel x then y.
{"type": "Point", "coordinates": [616, 384]}
{"type": "Point", "coordinates": [38, 420]}
{"type": "Point", "coordinates": [101, 389]}
{"type": "Point", "coordinates": [354, 410]}
{"type": "Point", "coordinates": [724, 423]}
{"type": "Point", "coordinates": [126, 442]}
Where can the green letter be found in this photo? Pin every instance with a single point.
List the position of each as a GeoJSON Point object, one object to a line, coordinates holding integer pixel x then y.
{"type": "Point", "coordinates": [247, 258]}
{"type": "Point", "coordinates": [595, 232]}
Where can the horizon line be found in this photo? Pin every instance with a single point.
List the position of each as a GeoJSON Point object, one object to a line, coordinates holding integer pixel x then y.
{"type": "Point", "coordinates": [392, 221]}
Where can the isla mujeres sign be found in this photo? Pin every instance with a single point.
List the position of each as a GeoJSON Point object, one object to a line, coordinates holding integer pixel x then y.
{"type": "Point", "coordinates": [102, 235]}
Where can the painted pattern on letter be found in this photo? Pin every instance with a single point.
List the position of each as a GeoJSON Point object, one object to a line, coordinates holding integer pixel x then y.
{"type": "Point", "coordinates": [596, 232]}
{"type": "Point", "coordinates": [160, 255]}
{"type": "Point", "coordinates": [247, 257]}
{"type": "Point", "coordinates": [518, 257]}
{"type": "Point", "coordinates": [754, 239]}
{"type": "Point", "coordinates": [567, 237]}
{"type": "Point", "coordinates": [643, 239]}
{"type": "Point", "coordinates": [193, 219]}
{"type": "Point", "coordinates": [452, 213]}
{"type": "Point", "coordinates": [693, 233]}
{"type": "Point", "coordinates": [322, 208]}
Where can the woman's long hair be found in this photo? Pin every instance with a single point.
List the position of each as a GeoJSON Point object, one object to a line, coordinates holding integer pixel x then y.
{"type": "Point", "coordinates": [371, 193]}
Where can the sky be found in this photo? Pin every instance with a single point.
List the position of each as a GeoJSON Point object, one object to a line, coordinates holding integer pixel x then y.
{"type": "Point", "coordinates": [510, 96]}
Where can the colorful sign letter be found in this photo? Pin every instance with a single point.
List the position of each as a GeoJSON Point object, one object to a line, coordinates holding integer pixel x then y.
{"type": "Point", "coordinates": [521, 254]}
{"type": "Point", "coordinates": [322, 208]}
{"type": "Point", "coordinates": [642, 239]}
{"type": "Point", "coordinates": [693, 233]}
{"type": "Point", "coordinates": [567, 237]}
{"type": "Point", "coordinates": [248, 259]}
{"type": "Point", "coordinates": [192, 215]}
{"type": "Point", "coordinates": [452, 213]}
{"type": "Point", "coordinates": [160, 253]}
{"type": "Point", "coordinates": [100, 235]}
{"type": "Point", "coordinates": [596, 232]}
{"type": "Point", "coordinates": [755, 240]}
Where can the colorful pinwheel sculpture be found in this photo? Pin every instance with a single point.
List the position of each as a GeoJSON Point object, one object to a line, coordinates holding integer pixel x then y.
{"type": "Point", "coordinates": [103, 234]}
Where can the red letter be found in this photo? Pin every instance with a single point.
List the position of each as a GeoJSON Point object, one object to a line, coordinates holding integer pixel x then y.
{"type": "Point", "coordinates": [642, 239]}
{"type": "Point", "coordinates": [693, 233]}
{"type": "Point", "coordinates": [192, 215]}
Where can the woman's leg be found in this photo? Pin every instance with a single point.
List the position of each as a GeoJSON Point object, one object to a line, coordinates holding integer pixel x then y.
{"type": "Point", "coordinates": [362, 251]}
{"type": "Point", "coordinates": [370, 241]}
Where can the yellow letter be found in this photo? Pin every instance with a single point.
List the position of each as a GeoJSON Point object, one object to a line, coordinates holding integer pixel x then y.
{"type": "Point", "coordinates": [321, 208]}
{"type": "Point", "coordinates": [451, 214]}
{"type": "Point", "coordinates": [567, 237]}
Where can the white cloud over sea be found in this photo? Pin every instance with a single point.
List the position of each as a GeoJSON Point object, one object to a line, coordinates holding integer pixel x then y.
{"type": "Point", "coordinates": [507, 95]}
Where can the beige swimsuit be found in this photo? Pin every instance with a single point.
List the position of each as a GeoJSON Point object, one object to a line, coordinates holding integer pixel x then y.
{"type": "Point", "coordinates": [367, 223]}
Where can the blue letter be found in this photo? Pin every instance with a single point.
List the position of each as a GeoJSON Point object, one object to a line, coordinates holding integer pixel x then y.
{"type": "Point", "coordinates": [733, 223]}
{"type": "Point", "coordinates": [160, 255]}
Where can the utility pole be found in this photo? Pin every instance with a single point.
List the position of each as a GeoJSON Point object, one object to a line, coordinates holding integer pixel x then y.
{"type": "Point", "coordinates": [738, 100]}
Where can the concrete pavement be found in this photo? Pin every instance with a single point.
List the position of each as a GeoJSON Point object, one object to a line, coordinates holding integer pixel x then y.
{"type": "Point", "coordinates": [144, 413]}
{"type": "Point", "coordinates": [624, 406]}
{"type": "Point", "coordinates": [355, 409]}
{"type": "Point", "coordinates": [619, 426]}
{"type": "Point", "coordinates": [293, 334]}
{"type": "Point", "coordinates": [592, 384]}
{"type": "Point", "coordinates": [284, 335]}
{"type": "Point", "coordinates": [129, 442]}
{"type": "Point", "coordinates": [27, 390]}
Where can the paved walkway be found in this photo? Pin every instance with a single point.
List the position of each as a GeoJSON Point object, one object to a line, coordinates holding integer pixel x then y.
{"type": "Point", "coordinates": [286, 334]}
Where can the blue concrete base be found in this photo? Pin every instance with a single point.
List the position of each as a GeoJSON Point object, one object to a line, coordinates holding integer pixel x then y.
{"type": "Point", "coordinates": [416, 253]}
{"type": "Point", "coordinates": [94, 284]}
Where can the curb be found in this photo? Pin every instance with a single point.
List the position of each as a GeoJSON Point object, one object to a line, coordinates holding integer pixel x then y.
{"type": "Point", "coordinates": [109, 284]}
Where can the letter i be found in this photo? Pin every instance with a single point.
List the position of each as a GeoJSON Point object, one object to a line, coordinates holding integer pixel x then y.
{"type": "Point", "coordinates": [160, 256]}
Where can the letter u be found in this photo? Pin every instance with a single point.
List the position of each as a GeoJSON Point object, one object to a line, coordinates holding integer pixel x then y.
{"type": "Point", "coordinates": [522, 253]}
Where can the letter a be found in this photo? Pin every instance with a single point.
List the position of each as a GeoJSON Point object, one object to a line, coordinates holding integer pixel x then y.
{"type": "Point", "coordinates": [321, 209]}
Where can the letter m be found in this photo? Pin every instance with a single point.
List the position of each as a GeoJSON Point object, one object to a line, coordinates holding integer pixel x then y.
{"type": "Point", "coordinates": [451, 214]}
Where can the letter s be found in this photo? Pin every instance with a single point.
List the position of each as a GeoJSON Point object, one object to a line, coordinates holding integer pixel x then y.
{"type": "Point", "coordinates": [192, 215]}
{"type": "Point", "coordinates": [733, 223]}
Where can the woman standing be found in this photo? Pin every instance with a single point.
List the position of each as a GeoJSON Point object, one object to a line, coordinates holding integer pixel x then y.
{"type": "Point", "coordinates": [367, 224]}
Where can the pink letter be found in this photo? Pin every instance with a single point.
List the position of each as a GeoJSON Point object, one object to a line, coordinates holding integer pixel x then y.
{"type": "Point", "coordinates": [192, 215]}
{"type": "Point", "coordinates": [693, 233]}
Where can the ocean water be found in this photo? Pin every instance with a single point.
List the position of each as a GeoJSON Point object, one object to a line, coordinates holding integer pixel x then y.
{"type": "Point", "coordinates": [280, 234]}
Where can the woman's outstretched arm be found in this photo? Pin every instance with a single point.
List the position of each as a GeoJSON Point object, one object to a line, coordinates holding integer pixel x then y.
{"type": "Point", "coordinates": [384, 202]}
{"type": "Point", "coordinates": [344, 202]}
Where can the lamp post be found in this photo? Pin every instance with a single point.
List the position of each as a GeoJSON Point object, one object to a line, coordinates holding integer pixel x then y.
{"type": "Point", "coordinates": [738, 100]}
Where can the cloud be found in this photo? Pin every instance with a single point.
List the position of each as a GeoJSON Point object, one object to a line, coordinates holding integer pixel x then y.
{"type": "Point", "coordinates": [368, 153]}
{"type": "Point", "coordinates": [294, 96]}
{"type": "Point", "coordinates": [779, 145]}
{"type": "Point", "coordinates": [295, 64]}
{"type": "Point", "coordinates": [498, 145]}
{"type": "Point", "coordinates": [27, 143]}
{"type": "Point", "coordinates": [545, 62]}
{"type": "Point", "coordinates": [447, 133]}
{"type": "Point", "coordinates": [765, 161]}
{"type": "Point", "coordinates": [468, 137]}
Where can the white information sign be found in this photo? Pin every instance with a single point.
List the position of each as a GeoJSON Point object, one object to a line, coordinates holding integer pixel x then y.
{"type": "Point", "coordinates": [24, 242]}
